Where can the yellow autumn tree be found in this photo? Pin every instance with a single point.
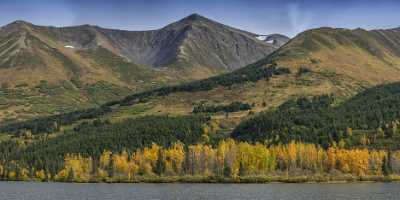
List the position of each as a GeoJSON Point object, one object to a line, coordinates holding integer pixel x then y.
{"type": "Point", "coordinates": [246, 166]}
{"type": "Point", "coordinates": [194, 159]}
{"type": "Point", "coordinates": [174, 158]}
{"type": "Point", "coordinates": [354, 161]}
{"type": "Point", "coordinates": [40, 175]}
{"type": "Point", "coordinates": [76, 168]}
{"type": "Point", "coordinates": [253, 159]}
{"type": "Point", "coordinates": [23, 174]}
{"type": "Point", "coordinates": [120, 165]}
{"type": "Point", "coordinates": [220, 158]}
{"type": "Point", "coordinates": [232, 164]}
{"type": "Point", "coordinates": [209, 160]}
{"type": "Point", "coordinates": [12, 175]}
{"type": "Point", "coordinates": [376, 159]}
{"type": "Point", "coordinates": [395, 161]}
{"type": "Point", "coordinates": [105, 159]}
{"type": "Point", "coordinates": [331, 159]}
{"type": "Point", "coordinates": [62, 175]}
{"type": "Point", "coordinates": [292, 154]}
{"type": "Point", "coordinates": [1, 170]}
{"type": "Point", "coordinates": [147, 159]}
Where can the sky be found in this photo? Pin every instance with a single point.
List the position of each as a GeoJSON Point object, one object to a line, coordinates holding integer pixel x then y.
{"type": "Point", "coordinates": [288, 17]}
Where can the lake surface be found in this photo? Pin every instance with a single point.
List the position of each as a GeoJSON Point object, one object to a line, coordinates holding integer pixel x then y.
{"type": "Point", "coordinates": [72, 191]}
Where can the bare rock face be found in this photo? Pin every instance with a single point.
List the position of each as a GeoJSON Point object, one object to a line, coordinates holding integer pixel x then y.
{"type": "Point", "coordinates": [194, 41]}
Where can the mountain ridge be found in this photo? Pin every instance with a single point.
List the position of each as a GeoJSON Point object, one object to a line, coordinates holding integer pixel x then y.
{"type": "Point", "coordinates": [323, 61]}
{"type": "Point", "coordinates": [85, 61]}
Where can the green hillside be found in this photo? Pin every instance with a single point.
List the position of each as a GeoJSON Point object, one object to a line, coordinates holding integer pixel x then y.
{"type": "Point", "coordinates": [53, 123]}
{"type": "Point", "coordinates": [368, 119]}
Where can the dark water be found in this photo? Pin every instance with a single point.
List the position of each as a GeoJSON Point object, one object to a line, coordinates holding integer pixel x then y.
{"type": "Point", "coordinates": [61, 191]}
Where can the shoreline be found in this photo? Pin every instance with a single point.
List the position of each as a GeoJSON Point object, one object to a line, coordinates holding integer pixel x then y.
{"type": "Point", "coordinates": [240, 180]}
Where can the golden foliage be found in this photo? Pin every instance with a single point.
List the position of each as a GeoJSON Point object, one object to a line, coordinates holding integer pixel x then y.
{"type": "Point", "coordinates": [229, 159]}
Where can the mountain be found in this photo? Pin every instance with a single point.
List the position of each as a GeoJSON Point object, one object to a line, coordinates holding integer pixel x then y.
{"type": "Point", "coordinates": [368, 57]}
{"type": "Point", "coordinates": [323, 61]}
{"type": "Point", "coordinates": [46, 70]}
{"type": "Point", "coordinates": [338, 62]}
{"type": "Point", "coordinates": [192, 43]}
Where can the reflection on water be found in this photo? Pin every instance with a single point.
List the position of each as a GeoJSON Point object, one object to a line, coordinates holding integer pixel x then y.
{"type": "Point", "coordinates": [71, 191]}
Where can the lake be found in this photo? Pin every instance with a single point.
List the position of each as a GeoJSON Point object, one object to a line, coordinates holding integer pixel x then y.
{"type": "Point", "coordinates": [89, 191]}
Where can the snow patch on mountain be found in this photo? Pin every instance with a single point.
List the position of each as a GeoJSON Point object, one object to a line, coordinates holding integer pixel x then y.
{"type": "Point", "coordinates": [271, 41]}
{"type": "Point", "coordinates": [261, 37]}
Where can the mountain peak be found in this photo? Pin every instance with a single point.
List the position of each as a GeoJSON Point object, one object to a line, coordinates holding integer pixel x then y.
{"type": "Point", "coordinates": [20, 22]}
{"type": "Point", "coordinates": [18, 25]}
{"type": "Point", "coordinates": [194, 17]}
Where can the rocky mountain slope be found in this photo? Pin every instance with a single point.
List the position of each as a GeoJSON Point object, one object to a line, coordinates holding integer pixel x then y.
{"type": "Point", "coordinates": [338, 62]}
{"type": "Point", "coordinates": [194, 42]}
{"type": "Point", "coordinates": [45, 70]}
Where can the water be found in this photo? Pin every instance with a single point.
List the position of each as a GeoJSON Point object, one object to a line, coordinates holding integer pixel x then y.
{"type": "Point", "coordinates": [71, 191]}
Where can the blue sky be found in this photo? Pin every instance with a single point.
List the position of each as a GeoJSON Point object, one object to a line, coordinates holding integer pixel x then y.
{"type": "Point", "coordinates": [268, 16]}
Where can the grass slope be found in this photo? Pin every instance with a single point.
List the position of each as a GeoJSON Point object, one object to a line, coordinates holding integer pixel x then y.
{"type": "Point", "coordinates": [39, 76]}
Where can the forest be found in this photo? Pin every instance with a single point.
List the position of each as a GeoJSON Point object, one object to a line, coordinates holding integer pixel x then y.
{"type": "Point", "coordinates": [91, 138]}
{"type": "Point", "coordinates": [368, 119]}
{"type": "Point", "coordinates": [229, 160]}
{"type": "Point", "coordinates": [232, 107]}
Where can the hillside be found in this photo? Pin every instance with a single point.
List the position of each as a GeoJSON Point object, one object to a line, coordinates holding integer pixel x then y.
{"type": "Point", "coordinates": [373, 114]}
{"type": "Point", "coordinates": [325, 61]}
{"type": "Point", "coordinates": [48, 70]}
{"type": "Point", "coordinates": [369, 119]}
{"type": "Point", "coordinates": [337, 62]}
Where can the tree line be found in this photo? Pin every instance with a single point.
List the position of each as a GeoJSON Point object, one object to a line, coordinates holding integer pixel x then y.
{"type": "Point", "coordinates": [232, 107]}
{"type": "Point", "coordinates": [227, 159]}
